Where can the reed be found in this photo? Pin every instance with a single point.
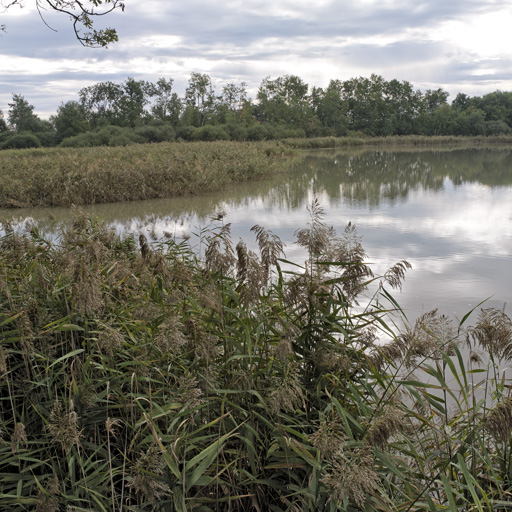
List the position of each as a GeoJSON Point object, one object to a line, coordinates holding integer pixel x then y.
{"type": "Point", "coordinates": [357, 139]}
{"type": "Point", "coordinates": [139, 376]}
{"type": "Point", "coordinates": [64, 177]}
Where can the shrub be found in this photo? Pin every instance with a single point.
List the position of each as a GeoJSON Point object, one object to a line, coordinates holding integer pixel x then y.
{"type": "Point", "coordinates": [185, 132]}
{"type": "Point", "coordinates": [236, 131]}
{"type": "Point", "coordinates": [22, 141]}
{"type": "Point", "coordinates": [155, 133]}
{"type": "Point", "coordinates": [210, 133]}
{"type": "Point", "coordinates": [497, 128]}
{"type": "Point", "coordinates": [258, 132]}
{"type": "Point", "coordinates": [84, 140]}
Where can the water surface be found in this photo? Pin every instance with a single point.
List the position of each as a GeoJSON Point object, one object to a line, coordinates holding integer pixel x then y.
{"type": "Point", "coordinates": [448, 212]}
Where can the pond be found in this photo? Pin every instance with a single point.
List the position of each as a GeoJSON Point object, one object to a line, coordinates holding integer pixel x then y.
{"type": "Point", "coordinates": [446, 211]}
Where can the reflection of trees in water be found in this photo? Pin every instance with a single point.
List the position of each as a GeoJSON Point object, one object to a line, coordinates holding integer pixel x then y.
{"type": "Point", "coordinates": [369, 177]}
{"type": "Point", "coordinates": [361, 176]}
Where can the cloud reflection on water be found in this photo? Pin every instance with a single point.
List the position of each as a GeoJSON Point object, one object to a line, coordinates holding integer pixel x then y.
{"type": "Point", "coordinates": [447, 212]}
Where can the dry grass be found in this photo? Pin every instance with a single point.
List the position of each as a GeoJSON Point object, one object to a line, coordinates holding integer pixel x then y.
{"type": "Point", "coordinates": [62, 177]}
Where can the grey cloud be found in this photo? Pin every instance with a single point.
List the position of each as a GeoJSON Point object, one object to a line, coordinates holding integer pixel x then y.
{"type": "Point", "coordinates": [231, 36]}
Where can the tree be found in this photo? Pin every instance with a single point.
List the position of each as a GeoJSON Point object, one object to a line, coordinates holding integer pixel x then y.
{"type": "Point", "coordinates": [167, 106]}
{"type": "Point", "coordinates": [82, 14]}
{"type": "Point", "coordinates": [21, 115]}
{"type": "Point", "coordinates": [234, 96]}
{"type": "Point", "coordinates": [461, 102]}
{"type": "Point", "coordinates": [284, 100]}
{"type": "Point", "coordinates": [131, 104]}
{"type": "Point", "coordinates": [330, 108]}
{"type": "Point", "coordinates": [70, 120]}
{"type": "Point", "coordinates": [366, 106]}
{"type": "Point", "coordinates": [3, 124]}
{"type": "Point", "coordinates": [404, 103]}
{"type": "Point", "coordinates": [432, 100]}
{"type": "Point", "coordinates": [200, 97]}
{"type": "Point", "coordinates": [101, 102]}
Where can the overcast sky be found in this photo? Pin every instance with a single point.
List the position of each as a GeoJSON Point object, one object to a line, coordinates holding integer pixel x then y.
{"type": "Point", "coordinates": [459, 45]}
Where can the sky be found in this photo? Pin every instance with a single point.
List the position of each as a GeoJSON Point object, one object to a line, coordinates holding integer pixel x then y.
{"type": "Point", "coordinates": [458, 45]}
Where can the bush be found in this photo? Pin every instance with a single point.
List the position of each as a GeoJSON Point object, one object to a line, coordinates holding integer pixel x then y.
{"type": "Point", "coordinates": [497, 128]}
{"type": "Point", "coordinates": [47, 138]}
{"type": "Point", "coordinates": [236, 131]}
{"type": "Point", "coordinates": [210, 133]}
{"type": "Point", "coordinates": [155, 133]}
{"type": "Point", "coordinates": [22, 141]}
{"type": "Point", "coordinates": [107, 136]}
{"type": "Point", "coordinates": [257, 132]}
{"type": "Point", "coordinates": [185, 132]}
{"type": "Point", "coordinates": [84, 140]}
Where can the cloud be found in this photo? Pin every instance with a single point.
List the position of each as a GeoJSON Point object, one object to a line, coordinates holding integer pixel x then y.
{"type": "Point", "coordinates": [461, 45]}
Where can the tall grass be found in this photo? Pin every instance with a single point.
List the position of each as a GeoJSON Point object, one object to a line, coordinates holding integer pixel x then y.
{"type": "Point", "coordinates": [359, 139]}
{"type": "Point", "coordinates": [135, 375]}
{"type": "Point", "coordinates": [64, 177]}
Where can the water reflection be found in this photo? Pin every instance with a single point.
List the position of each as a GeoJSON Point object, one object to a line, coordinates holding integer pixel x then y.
{"type": "Point", "coordinates": [448, 212]}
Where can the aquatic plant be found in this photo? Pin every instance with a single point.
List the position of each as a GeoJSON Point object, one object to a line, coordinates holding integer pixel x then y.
{"type": "Point", "coordinates": [140, 376]}
{"type": "Point", "coordinates": [78, 176]}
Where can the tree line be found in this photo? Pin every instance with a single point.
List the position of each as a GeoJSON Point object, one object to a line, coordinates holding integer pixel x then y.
{"type": "Point", "coordinates": [110, 113]}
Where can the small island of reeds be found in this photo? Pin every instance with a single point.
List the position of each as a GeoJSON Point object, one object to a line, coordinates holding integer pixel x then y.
{"type": "Point", "coordinates": [79, 176]}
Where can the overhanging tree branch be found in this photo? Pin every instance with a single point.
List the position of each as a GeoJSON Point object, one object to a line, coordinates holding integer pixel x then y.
{"type": "Point", "coordinates": [82, 15]}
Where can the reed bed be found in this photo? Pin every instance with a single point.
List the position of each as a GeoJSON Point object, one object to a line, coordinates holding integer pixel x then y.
{"type": "Point", "coordinates": [397, 140]}
{"type": "Point", "coordinates": [64, 177]}
{"type": "Point", "coordinates": [135, 375]}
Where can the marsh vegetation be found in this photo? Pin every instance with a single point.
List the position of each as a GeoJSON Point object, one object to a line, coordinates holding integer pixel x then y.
{"type": "Point", "coordinates": [65, 177]}
{"type": "Point", "coordinates": [136, 375]}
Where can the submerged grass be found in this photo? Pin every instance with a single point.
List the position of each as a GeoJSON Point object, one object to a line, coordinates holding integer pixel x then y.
{"type": "Point", "coordinates": [63, 177]}
{"type": "Point", "coordinates": [138, 376]}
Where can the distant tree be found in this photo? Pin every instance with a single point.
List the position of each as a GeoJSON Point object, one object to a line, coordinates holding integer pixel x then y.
{"type": "Point", "coordinates": [469, 122]}
{"type": "Point", "coordinates": [101, 102]}
{"type": "Point", "coordinates": [404, 106]}
{"type": "Point", "coordinates": [81, 14]}
{"type": "Point", "coordinates": [234, 96]}
{"type": "Point", "coordinates": [200, 98]}
{"type": "Point", "coordinates": [284, 100]}
{"type": "Point", "coordinates": [461, 102]}
{"type": "Point", "coordinates": [330, 108]}
{"type": "Point", "coordinates": [496, 105]}
{"type": "Point", "coordinates": [70, 120]}
{"type": "Point", "coordinates": [3, 124]}
{"type": "Point", "coordinates": [366, 106]}
{"type": "Point", "coordinates": [132, 102]}
{"type": "Point", "coordinates": [443, 121]}
{"type": "Point", "coordinates": [21, 115]}
{"type": "Point", "coordinates": [435, 116]}
{"type": "Point", "coordinates": [433, 99]}
{"type": "Point", "coordinates": [167, 105]}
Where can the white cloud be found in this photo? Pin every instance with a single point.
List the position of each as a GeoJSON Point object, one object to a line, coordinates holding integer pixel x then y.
{"type": "Point", "coordinates": [462, 46]}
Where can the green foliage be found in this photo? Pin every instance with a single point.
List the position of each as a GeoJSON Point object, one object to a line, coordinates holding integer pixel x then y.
{"type": "Point", "coordinates": [285, 108]}
{"type": "Point", "coordinates": [21, 115]}
{"type": "Point", "coordinates": [70, 120]}
{"type": "Point", "coordinates": [21, 141]}
{"type": "Point", "coordinates": [108, 135]}
{"type": "Point", "coordinates": [155, 132]}
{"type": "Point", "coordinates": [209, 133]}
{"type": "Point", "coordinates": [3, 124]}
{"type": "Point", "coordinates": [83, 140]}
{"type": "Point", "coordinates": [137, 375]}
{"type": "Point", "coordinates": [82, 17]}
